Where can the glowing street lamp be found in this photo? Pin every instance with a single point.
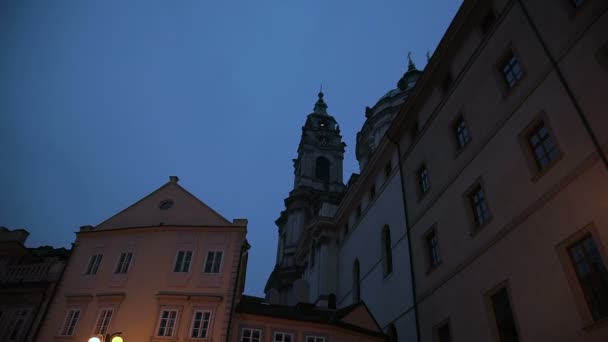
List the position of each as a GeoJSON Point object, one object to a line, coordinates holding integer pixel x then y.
{"type": "Point", "coordinates": [115, 337]}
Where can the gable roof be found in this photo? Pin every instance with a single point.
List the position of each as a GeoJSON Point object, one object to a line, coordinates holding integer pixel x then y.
{"type": "Point", "coordinates": [187, 210]}
{"type": "Point", "coordinates": [355, 317]}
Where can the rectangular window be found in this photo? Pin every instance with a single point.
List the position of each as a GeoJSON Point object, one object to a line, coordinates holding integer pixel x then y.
{"type": "Point", "coordinates": [251, 335]}
{"type": "Point", "coordinates": [432, 244]}
{"type": "Point", "coordinates": [505, 322]}
{"type": "Point", "coordinates": [93, 265]}
{"type": "Point", "coordinates": [424, 182]}
{"type": "Point", "coordinates": [103, 321]}
{"type": "Point", "coordinates": [182, 263]}
{"type": "Point", "coordinates": [315, 339]}
{"type": "Point", "coordinates": [71, 319]}
{"type": "Point", "coordinates": [166, 324]}
{"type": "Point", "coordinates": [283, 337]}
{"type": "Point", "coordinates": [443, 333]}
{"type": "Point", "coordinates": [511, 70]}
{"type": "Point", "coordinates": [214, 260]}
{"type": "Point", "coordinates": [479, 206]}
{"type": "Point", "coordinates": [16, 329]}
{"type": "Point", "coordinates": [461, 132]}
{"type": "Point", "coordinates": [542, 145]}
{"type": "Point", "coordinates": [124, 262]}
{"type": "Point", "coordinates": [592, 275]}
{"type": "Point", "coordinates": [200, 324]}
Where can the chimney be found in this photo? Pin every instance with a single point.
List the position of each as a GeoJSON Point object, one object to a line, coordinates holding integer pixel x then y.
{"type": "Point", "coordinates": [173, 179]}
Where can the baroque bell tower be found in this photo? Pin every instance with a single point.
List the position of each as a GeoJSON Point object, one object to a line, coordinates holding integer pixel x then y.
{"type": "Point", "coordinates": [317, 180]}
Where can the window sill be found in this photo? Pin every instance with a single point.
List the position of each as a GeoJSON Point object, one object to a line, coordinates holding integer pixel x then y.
{"type": "Point", "coordinates": [479, 228]}
{"type": "Point", "coordinates": [540, 173]}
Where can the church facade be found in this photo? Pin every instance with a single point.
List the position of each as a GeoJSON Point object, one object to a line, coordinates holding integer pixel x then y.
{"type": "Point", "coordinates": [479, 213]}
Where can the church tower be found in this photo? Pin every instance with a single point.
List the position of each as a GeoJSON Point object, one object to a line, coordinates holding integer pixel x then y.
{"type": "Point", "coordinates": [317, 180]}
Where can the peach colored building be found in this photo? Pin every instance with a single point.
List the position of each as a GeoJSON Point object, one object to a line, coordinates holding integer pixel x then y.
{"type": "Point", "coordinates": [167, 268]}
{"type": "Point", "coordinates": [28, 280]}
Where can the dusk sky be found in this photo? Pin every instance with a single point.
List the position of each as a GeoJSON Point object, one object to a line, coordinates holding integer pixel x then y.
{"type": "Point", "coordinates": [101, 101]}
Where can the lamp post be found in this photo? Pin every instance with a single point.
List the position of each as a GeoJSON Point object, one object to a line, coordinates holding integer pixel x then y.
{"type": "Point", "coordinates": [115, 337]}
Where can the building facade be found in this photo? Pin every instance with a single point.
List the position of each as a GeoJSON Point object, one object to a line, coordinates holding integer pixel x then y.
{"type": "Point", "coordinates": [28, 280]}
{"type": "Point", "coordinates": [480, 210]}
{"type": "Point", "coordinates": [166, 268]}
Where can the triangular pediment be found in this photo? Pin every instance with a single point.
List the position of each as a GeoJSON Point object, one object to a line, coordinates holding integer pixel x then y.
{"type": "Point", "coordinates": [184, 210]}
{"type": "Point", "coordinates": [360, 316]}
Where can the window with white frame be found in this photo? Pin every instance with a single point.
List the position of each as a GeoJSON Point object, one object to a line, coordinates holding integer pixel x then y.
{"type": "Point", "coordinates": [251, 335]}
{"type": "Point", "coordinates": [17, 327]}
{"type": "Point", "coordinates": [282, 337]}
{"type": "Point", "coordinates": [69, 325]}
{"type": "Point", "coordinates": [103, 321]}
{"type": "Point", "coordinates": [214, 260]}
{"type": "Point", "coordinates": [166, 323]}
{"type": "Point", "coordinates": [124, 262]}
{"type": "Point", "coordinates": [315, 339]}
{"type": "Point", "coordinates": [93, 265]}
{"type": "Point", "coordinates": [182, 262]}
{"type": "Point", "coordinates": [200, 324]}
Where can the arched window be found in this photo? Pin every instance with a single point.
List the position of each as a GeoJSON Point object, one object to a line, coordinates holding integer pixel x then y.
{"type": "Point", "coordinates": [387, 251]}
{"type": "Point", "coordinates": [322, 169]}
{"type": "Point", "coordinates": [392, 333]}
{"type": "Point", "coordinates": [356, 282]}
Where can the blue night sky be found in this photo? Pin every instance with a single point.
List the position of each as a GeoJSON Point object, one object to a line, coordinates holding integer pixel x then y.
{"type": "Point", "coordinates": [101, 101]}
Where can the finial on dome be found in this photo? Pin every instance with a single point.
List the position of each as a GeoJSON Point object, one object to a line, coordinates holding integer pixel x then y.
{"type": "Point", "coordinates": [410, 63]}
{"type": "Point", "coordinates": [320, 105]}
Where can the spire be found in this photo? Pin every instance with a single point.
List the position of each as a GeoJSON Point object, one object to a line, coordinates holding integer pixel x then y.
{"type": "Point", "coordinates": [410, 63]}
{"type": "Point", "coordinates": [320, 106]}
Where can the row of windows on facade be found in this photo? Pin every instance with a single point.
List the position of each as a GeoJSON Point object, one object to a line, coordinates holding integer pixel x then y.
{"type": "Point", "coordinates": [255, 335]}
{"type": "Point", "coordinates": [166, 327]}
{"type": "Point", "coordinates": [13, 322]}
{"type": "Point", "coordinates": [541, 142]}
{"type": "Point", "coordinates": [183, 260]}
{"type": "Point", "coordinates": [592, 277]}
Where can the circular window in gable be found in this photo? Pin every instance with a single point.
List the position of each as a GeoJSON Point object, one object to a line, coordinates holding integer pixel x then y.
{"type": "Point", "coordinates": [166, 205]}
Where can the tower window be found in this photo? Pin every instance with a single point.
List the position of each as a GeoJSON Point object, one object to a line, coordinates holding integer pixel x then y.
{"type": "Point", "coordinates": [424, 182]}
{"type": "Point", "coordinates": [322, 169]}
